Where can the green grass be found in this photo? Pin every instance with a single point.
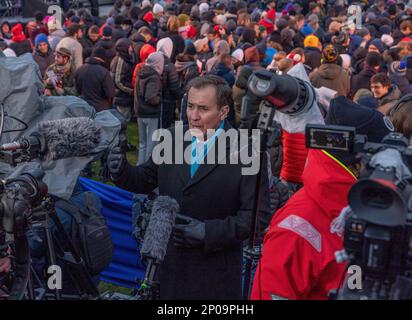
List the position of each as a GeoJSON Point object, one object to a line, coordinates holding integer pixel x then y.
{"type": "Point", "coordinates": [133, 138]}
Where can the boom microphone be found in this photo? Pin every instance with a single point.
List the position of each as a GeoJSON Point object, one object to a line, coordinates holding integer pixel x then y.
{"type": "Point", "coordinates": [59, 139]}
{"type": "Point", "coordinates": [160, 227]}
{"type": "Point", "coordinates": [155, 243]}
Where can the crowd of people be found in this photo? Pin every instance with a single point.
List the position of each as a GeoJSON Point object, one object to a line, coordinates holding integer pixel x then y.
{"type": "Point", "coordinates": [144, 60]}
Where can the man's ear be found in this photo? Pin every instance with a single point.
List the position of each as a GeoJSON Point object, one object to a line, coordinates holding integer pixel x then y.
{"type": "Point", "coordinates": [224, 111]}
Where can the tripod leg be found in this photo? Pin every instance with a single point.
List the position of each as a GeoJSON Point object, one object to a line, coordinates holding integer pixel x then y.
{"type": "Point", "coordinates": [51, 252]}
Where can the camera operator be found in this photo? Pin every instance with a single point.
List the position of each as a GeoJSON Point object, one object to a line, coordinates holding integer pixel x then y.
{"type": "Point", "coordinates": [298, 260]}
{"type": "Point", "coordinates": [204, 256]}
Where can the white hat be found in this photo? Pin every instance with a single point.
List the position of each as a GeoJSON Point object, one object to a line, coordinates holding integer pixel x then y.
{"type": "Point", "coordinates": [238, 54]}
{"type": "Point", "coordinates": [157, 8]}
{"type": "Point", "coordinates": [387, 40]}
{"type": "Point", "coordinates": [203, 7]}
{"type": "Point", "coordinates": [146, 3]}
{"type": "Point", "coordinates": [220, 19]}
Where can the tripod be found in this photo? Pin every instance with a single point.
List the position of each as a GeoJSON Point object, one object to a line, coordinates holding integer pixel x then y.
{"type": "Point", "coordinates": [264, 124]}
{"type": "Point", "coordinates": [60, 250]}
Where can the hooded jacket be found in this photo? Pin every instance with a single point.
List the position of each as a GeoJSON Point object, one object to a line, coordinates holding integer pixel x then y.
{"type": "Point", "coordinates": [94, 84]}
{"type": "Point", "coordinates": [148, 93]}
{"type": "Point", "coordinates": [108, 46]}
{"type": "Point", "coordinates": [178, 44]}
{"type": "Point", "coordinates": [361, 80]}
{"type": "Point", "coordinates": [19, 44]}
{"type": "Point", "coordinates": [389, 100]}
{"type": "Point", "coordinates": [331, 76]}
{"type": "Point", "coordinates": [121, 70]}
{"type": "Point", "coordinates": [299, 248]}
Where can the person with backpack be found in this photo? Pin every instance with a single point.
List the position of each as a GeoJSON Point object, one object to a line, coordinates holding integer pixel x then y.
{"type": "Point", "coordinates": [148, 92]}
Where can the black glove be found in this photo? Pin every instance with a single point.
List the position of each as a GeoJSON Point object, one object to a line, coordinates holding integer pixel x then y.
{"type": "Point", "coordinates": [116, 162]}
{"type": "Point", "coordinates": [188, 232]}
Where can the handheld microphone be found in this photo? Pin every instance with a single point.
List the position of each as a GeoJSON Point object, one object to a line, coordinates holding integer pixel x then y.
{"type": "Point", "coordinates": [155, 243]}
{"type": "Point", "coordinates": [59, 139]}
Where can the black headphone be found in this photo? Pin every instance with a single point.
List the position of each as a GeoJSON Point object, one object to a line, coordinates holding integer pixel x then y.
{"type": "Point", "coordinates": [404, 99]}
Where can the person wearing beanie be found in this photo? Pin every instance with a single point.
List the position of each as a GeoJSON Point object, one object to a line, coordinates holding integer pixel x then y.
{"type": "Point", "coordinates": [19, 44]}
{"type": "Point", "coordinates": [330, 74]}
{"type": "Point", "coordinates": [252, 63]}
{"type": "Point", "coordinates": [147, 103]}
{"type": "Point", "coordinates": [170, 88]}
{"type": "Point", "coordinates": [203, 8]}
{"type": "Point", "coordinates": [121, 70]}
{"type": "Point", "coordinates": [238, 58]}
{"type": "Point", "coordinates": [397, 75]}
{"type": "Point", "coordinates": [158, 10]}
{"type": "Point", "coordinates": [387, 40]}
{"type": "Point", "coordinates": [298, 39]}
{"type": "Point", "coordinates": [107, 44]}
{"type": "Point", "coordinates": [301, 265]}
{"type": "Point", "coordinates": [94, 83]}
{"type": "Point", "coordinates": [312, 51]}
{"type": "Point", "coordinates": [362, 80]}
{"type": "Point", "coordinates": [56, 32]}
{"type": "Point", "coordinates": [376, 45]}
{"type": "Point", "coordinates": [43, 55]}
{"type": "Point", "coordinates": [145, 51]}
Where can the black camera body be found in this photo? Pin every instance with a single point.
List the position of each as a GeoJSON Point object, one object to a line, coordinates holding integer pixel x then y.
{"type": "Point", "coordinates": [378, 233]}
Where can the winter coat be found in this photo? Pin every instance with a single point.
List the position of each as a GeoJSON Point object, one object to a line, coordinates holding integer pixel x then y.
{"type": "Point", "coordinates": [88, 46]}
{"type": "Point", "coordinates": [361, 80]}
{"type": "Point", "coordinates": [55, 37]}
{"type": "Point", "coordinates": [43, 60]}
{"type": "Point", "coordinates": [224, 72]}
{"type": "Point", "coordinates": [121, 70]}
{"type": "Point", "coordinates": [331, 76]}
{"type": "Point", "coordinates": [389, 100]}
{"type": "Point", "coordinates": [401, 82]}
{"type": "Point", "coordinates": [95, 85]}
{"type": "Point", "coordinates": [67, 80]}
{"type": "Point", "coordinates": [299, 248]}
{"type": "Point", "coordinates": [22, 47]}
{"type": "Point", "coordinates": [214, 270]}
{"type": "Point", "coordinates": [108, 46]}
{"type": "Point", "coordinates": [148, 93]}
{"type": "Point", "coordinates": [170, 83]}
{"type": "Point", "coordinates": [313, 57]}
{"type": "Point", "coordinates": [138, 42]}
{"type": "Point", "coordinates": [178, 44]}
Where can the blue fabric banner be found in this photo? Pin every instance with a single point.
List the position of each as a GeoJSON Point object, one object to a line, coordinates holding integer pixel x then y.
{"type": "Point", "coordinates": [117, 209]}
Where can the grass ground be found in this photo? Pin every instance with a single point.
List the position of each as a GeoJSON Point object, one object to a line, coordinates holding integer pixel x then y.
{"type": "Point", "coordinates": [132, 134]}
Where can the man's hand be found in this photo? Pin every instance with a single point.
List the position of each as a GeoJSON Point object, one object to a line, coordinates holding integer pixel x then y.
{"type": "Point", "coordinates": [116, 162]}
{"type": "Point", "coordinates": [47, 92]}
{"type": "Point", "coordinates": [189, 232]}
{"type": "Point", "coordinates": [5, 265]}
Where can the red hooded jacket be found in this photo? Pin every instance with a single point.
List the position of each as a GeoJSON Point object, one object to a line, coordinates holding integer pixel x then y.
{"type": "Point", "coordinates": [298, 260]}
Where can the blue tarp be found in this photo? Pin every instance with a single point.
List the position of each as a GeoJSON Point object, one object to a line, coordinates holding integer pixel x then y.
{"type": "Point", "coordinates": [117, 209]}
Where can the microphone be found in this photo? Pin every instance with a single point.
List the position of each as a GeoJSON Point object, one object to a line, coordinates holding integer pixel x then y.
{"type": "Point", "coordinates": [64, 138]}
{"type": "Point", "coordinates": [155, 243]}
{"type": "Point", "coordinates": [160, 227]}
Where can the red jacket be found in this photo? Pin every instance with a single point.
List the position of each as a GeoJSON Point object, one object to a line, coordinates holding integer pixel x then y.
{"type": "Point", "coordinates": [298, 260]}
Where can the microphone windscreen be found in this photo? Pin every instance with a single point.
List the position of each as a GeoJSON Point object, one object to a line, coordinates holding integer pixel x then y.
{"type": "Point", "coordinates": [70, 137]}
{"type": "Point", "coordinates": [160, 227]}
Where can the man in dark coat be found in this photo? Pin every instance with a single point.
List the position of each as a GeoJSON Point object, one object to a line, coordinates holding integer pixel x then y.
{"type": "Point", "coordinates": [107, 44]}
{"type": "Point", "coordinates": [94, 83]}
{"type": "Point", "coordinates": [204, 256]}
{"type": "Point", "coordinates": [363, 79]}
